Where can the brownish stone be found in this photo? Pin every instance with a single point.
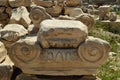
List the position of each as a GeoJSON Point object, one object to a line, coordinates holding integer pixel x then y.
{"type": "Point", "coordinates": [6, 69]}
{"type": "Point", "coordinates": [54, 10]}
{"type": "Point", "coordinates": [88, 20]}
{"type": "Point", "coordinates": [3, 2]}
{"type": "Point", "coordinates": [2, 9]}
{"type": "Point", "coordinates": [37, 15]}
{"type": "Point", "coordinates": [61, 33]}
{"type": "Point", "coordinates": [73, 3]}
{"type": "Point", "coordinates": [18, 3]}
{"type": "Point", "coordinates": [48, 3]}
{"type": "Point", "coordinates": [8, 10]}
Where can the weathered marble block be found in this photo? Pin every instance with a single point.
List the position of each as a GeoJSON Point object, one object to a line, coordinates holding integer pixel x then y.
{"type": "Point", "coordinates": [18, 3]}
{"type": "Point", "coordinates": [20, 15]}
{"type": "Point", "coordinates": [3, 52]}
{"type": "Point", "coordinates": [61, 33]}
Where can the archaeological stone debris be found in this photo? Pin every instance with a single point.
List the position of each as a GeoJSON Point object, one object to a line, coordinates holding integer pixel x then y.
{"type": "Point", "coordinates": [49, 37]}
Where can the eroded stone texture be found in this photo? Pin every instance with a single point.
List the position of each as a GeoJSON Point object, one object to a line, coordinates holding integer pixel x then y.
{"type": "Point", "coordinates": [2, 9]}
{"type": "Point", "coordinates": [20, 15]}
{"type": "Point", "coordinates": [18, 3]}
{"type": "Point", "coordinates": [38, 14]}
{"type": "Point", "coordinates": [73, 3]}
{"type": "Point", "coordinates": [104, 12]}
{"type": "Point", "coordinates": [86, 19]}
{"type": "Point", "coordinates": [61, 33]}
{"type": "Point", "coordinates": [6, 69]}
{"type": "Point", "coordinates": [3, 52]}
{"type": "Point", "coordinates": [54, 10]}
{"type": "Point", "coordinates": [11, 33]}
{"type": "Point", "coordinates": [113, 16]}
{"type": "Point", "coordinates": [44, 3]}
{"type": "Point", "coordinates": [76, 12]}
{"type": "Point", "coordinates": [3, 2]}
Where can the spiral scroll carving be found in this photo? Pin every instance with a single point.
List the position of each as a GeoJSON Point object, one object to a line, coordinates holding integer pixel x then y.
{"type": "Point", "coordinates": [93, 50]}
{"type": "Point", "coordinates": [86, 19]}
{"type": "Point", "coordinates": [38, 14]}
{"type": "Point", "coordinates": [24, 52]}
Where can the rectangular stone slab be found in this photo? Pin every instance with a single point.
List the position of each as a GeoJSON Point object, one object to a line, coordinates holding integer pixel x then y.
{"type": "Point", "coordinates": [61, 33]}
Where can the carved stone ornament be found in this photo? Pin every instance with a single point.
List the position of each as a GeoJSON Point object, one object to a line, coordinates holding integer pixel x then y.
{"type": "Point", "coordinates": [38, 14]}
{"type": "Point", "coordinates": [94, 50]}
{"type": "Point", "coordinates": [25, 50]}
{"type": "Point", "coordinates": [61, 33]}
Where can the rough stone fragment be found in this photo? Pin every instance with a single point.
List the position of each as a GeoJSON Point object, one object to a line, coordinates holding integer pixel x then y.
{"type": "Point", "coordinates": [3, 16]}
{"type": "Point", "coordinates": [68, 10]}
{"type": "Point", "coordinates": [94, 50]}
{"type": "Point", "coordinates": [73, 3]}
{"type": "Point", "coordinates": [76, 12]}
{"type": "Point", "coordinates": [13, 32]}
{"type": "Point", "coordinates": [3, 52]}
{"type": "Point", "coordinates": [20, 15]}
{"type": "Point", "coordinates": [44, 3]}
{"type": "Point", "coordinates": [3, 2]}
{"type": "Point", "coordinates": [61, 33]}
{"type": "Point", "coordinates": [55, 10]}
{"type": "Point", "coordinates": [86, 19]}
{"type": "Point", "coordinates": [104, 12]}
{"type": "Point", "coordinates": [8, 10]}
{"type": "Point", "coordinates": [6, 69]}
{"type": "Point", "coordinates": [18, 3]}
{"type": "Point", "coordinates": [113, 16]}
{"type": "Point", "coordinates": [2, 9]}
